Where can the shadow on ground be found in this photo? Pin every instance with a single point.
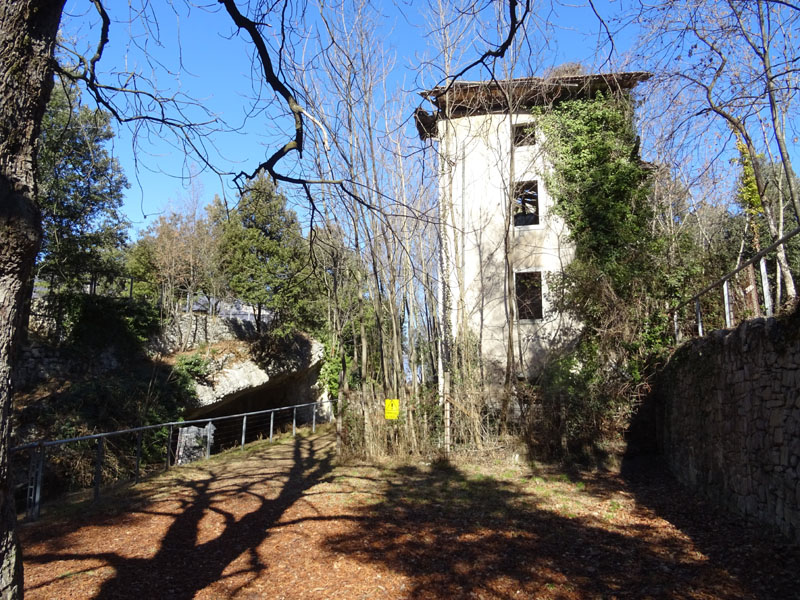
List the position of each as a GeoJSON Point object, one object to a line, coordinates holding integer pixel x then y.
{"type": "Point", "coordinates": [183, 564]}
{"type": "Point", "coordinates": [765, 562]}
{"type": "Point", "coordinates": [460, 536]}
{"type": "Point", "coordinates": [439, 531]}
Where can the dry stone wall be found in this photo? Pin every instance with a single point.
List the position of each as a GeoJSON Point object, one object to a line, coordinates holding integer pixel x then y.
{"type": "Point", "coordinates": [189, 330]}
{"type": "Point", "coordinates": [728, 419]}
{"type": "Point", "coordinates": [39, 361]}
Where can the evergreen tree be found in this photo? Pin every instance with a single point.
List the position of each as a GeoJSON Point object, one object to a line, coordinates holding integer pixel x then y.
{"type": "Point", "coordinates": [80, 194]}
{"type": "Point", "coordinates": [266, 259]}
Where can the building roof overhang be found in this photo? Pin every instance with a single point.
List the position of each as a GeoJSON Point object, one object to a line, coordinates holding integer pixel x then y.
{"type": "Point", "coordinates": [467, 98]}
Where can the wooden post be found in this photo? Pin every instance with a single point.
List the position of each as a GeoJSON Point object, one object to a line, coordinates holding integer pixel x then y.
{"type": "Point", "coordinates": [98, 468]}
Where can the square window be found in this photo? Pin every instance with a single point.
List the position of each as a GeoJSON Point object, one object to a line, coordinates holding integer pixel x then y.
{"type": "Point", "coordinates": [523, 134]}
{"type": "Point", "coordinates": [526, 203]}
{"type": "Point", "coordinates": [528, 287]}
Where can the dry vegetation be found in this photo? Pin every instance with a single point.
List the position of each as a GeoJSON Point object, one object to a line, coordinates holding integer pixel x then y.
{"type": "Point", "coordinates": [285, 521]}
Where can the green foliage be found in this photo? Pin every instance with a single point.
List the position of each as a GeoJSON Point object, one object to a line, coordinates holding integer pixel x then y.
{"type": "Point", "coordinates": [581, 405]}
{"type": "Point", "coordinates": [617, 286]}
{"type": "Point", "coordinates": [747, 192]}
{"type": "Point", "coordinates": [89, 323]}
{"type": "Point", "coordinates": [329, 373]}
{"type": "Point", "coordinates": [266, 260]}
{"type": "Point", "coordinates": [80, 193]}
{"type": "Point", "coordinates": [194, 366]}
{"type": "Point", "coordinates": [599, 183]}
{"type": "Point", "coordinates": [140, 263]}
{"type": "Point", "coordinates": [140, 394]}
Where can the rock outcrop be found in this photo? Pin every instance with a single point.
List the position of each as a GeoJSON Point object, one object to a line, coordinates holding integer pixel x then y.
{"type": "Point", "coordinates": [242, 384]}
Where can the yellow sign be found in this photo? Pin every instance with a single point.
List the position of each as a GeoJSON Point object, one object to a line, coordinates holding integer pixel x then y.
{"type": "Point", "coordinates": [392, 410]}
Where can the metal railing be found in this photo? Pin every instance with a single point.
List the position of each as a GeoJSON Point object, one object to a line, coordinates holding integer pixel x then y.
{"type": "Point", "coordinates": [724, 282]}
{"type": "Point", "coordinates": [219, 433]}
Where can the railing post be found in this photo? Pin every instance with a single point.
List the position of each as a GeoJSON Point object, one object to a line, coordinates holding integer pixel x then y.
{"type": "Point", "coordinates": [313, 419]}
{"type": "Point", "coordinates": [98, 468]}
{"type": "Point", "coordinates": [675, 328]}
{"type": "Point", "coordinates": [447, 414]}
{"type": "Point", "coordinates": [765, 286]}
{"type": "Point", "coordinates": [726, 297]}
{"type": "Point", "coordinates": [35, 482]}
{"type": "Point", "coordinates": [244, 429]}
{"type": "Point", "coordinates": [294, 421]}
{"type": "Point", "coordinates": [698, 317]}
{"type": "Point", "coordinates": [271, 423]}
{"type": "Point", "coordinates": [208, 440]}
{"type": "Point", "coordinates": [169, 448]}
{"type": "Point", "coordinates": [138, 455]}
{"type": "Point", "coordinates": [37, 490]}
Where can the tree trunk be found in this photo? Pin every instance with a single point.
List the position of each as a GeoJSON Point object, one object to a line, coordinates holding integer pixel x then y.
{"type": "Point", "coordinates": [28, 31]}
{"type": "Point", "coordinates": [340, 404]}
{"type": "Point", "coordinates": [775, 109]}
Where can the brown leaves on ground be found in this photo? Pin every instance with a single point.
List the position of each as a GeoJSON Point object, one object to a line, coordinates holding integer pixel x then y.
{"type": "Point", "coordinates": [283, 521]}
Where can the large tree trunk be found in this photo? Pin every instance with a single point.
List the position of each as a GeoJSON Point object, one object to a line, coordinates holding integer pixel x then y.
{"type": "Point", "coordinates": [28, 31]}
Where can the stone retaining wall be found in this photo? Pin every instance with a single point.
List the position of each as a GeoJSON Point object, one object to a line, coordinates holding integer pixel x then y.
{"type": "Point", "coordinates": [192, 329]}
{"type": "Point", "coordinates": [39, 361]}
{"type": "Point", "coordinates": [728, 419]}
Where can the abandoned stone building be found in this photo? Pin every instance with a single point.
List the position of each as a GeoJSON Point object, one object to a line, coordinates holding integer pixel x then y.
{"type": "Point", "coordinates": [499, 235]}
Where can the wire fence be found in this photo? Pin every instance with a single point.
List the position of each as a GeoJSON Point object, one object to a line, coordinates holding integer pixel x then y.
{"type": "Point", "coordinates": [48, 469]}
{"type": "Point", "coordinates": [753, 297]}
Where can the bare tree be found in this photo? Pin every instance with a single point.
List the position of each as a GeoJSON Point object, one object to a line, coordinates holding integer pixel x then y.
{"type": "Point", "coordinates": [726, 70]}
{"type": "Point", "coordinates": [28, 37]}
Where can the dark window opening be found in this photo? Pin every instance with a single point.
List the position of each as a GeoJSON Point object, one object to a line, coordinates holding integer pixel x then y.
{"type": "Point", "coordinates": [526, 208]}
{"type": "Point", "coordinates": [528, 287]}
{"type": "Point", "coordinates": [523, 134]}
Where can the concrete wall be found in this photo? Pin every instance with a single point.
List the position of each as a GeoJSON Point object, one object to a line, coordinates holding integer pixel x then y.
{"type": "Point", "coordinates": [475, 179]}
{"type": "Point", "coordinates": [728, 419]}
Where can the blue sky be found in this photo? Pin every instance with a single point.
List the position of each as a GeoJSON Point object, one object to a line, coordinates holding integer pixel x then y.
{"type": "Point", "coordinates": [215, 69]}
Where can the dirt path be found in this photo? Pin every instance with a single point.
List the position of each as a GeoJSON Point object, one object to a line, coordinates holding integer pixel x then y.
{"type": "Point", "coordinates": [282, 521]}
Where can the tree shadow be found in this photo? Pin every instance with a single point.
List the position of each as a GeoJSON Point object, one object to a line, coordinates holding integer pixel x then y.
{"type": "Point", "coordinates": [185, 563]}
{"type": "Point", "coordinates": [755, 552]}
{"type": "Point", "coordinates": [461, 536]}
{"type": "Point", "coordinates": [752, 552]}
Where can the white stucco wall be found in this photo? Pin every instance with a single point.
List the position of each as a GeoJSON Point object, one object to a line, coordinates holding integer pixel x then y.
{"type": "Point", "coordinates": [475, 178]}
